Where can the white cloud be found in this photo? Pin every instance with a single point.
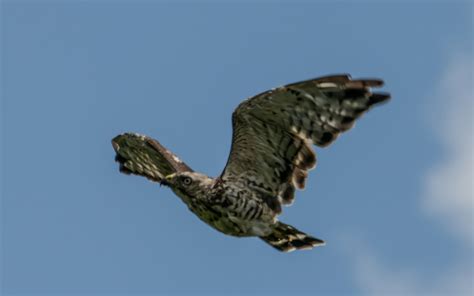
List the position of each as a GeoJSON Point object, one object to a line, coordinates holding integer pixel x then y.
{"type": "Point", "coordinates": [375, 277]}
{"type": "Point", "coordinates": [447, 197]}
{"type": "Point", "coordinates": [448, 188]}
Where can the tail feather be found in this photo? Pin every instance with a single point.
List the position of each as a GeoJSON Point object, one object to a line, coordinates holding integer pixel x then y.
{"type": "Point", "coordinates": [286, 238]}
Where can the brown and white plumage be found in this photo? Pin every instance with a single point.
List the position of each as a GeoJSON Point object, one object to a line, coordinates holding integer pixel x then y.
{"type": "Point", "coordinates": [141, 155]}
{"type": "Point", "coordinates": [271, 155]}
{"type": "Point", "coordinates": [276, 129]}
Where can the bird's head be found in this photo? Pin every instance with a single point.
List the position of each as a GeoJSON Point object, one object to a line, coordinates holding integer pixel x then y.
{"type": "Point", "coordinates": [187, 181]}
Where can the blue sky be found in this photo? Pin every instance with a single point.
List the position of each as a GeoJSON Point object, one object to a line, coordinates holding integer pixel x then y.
{"type": "Point", "coordinates": [393, 197]}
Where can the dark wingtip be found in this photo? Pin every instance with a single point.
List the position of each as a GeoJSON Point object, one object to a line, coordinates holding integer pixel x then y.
{"type": "Point", "coordinates": [379, 97]}
{"type": "Point", "coordinates": [368, 82]}
{"type": "Point", "coordinates": [288, 195]}
{"type": "Point", "coordinates": [314, 241]}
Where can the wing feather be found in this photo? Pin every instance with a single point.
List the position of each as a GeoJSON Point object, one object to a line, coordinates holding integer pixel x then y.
{"type": "Point", "coordinates": [273, 132]}
{"type": "Point", "coordinates": [144, 156]}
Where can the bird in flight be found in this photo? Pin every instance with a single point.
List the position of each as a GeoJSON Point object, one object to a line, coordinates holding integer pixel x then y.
{"type": "Point", "coordinates": [271, 154]}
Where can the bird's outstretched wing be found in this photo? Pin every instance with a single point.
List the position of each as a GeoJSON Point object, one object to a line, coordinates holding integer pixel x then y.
{"type": "Point", "coordinates": [273, 132]}
{"type": "Point", "coordinates": [141, 155]}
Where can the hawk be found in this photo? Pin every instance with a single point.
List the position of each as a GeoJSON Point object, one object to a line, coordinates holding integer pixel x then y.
{"type": "Point", "coordinates": [271, 154]}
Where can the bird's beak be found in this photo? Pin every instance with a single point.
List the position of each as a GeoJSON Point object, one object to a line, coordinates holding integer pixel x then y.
{"type": "Point", "coordinates": [167, 180]}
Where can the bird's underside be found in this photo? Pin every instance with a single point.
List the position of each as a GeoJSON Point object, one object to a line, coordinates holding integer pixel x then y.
{"type": "Point", "coordinates": [271, 154]}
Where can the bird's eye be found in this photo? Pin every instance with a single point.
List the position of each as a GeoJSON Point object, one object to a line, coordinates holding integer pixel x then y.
{"type": "Point", "coordinates": [187, 181]}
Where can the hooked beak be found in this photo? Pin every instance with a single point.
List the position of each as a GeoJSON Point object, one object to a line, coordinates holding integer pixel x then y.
{"type": "Point", "coordinates": [167, 180]}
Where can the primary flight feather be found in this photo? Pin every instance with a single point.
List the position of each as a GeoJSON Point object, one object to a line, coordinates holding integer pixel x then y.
{"type": "Point", "coordinates": [271, 154]}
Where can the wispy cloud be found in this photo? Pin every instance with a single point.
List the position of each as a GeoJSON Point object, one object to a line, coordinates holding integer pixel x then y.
{"type": "Point", "coordinates": [376, 277]}
{"type": "Point", "coordinates": [448, 187]}
{"type": "Point", "coordinates": [447, 196]}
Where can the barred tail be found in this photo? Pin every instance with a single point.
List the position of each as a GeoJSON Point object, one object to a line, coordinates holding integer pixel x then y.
{"type": "Point", "coordinates": [286, 238]}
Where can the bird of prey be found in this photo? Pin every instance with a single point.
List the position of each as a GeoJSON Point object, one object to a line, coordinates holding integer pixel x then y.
{"type": "Point", "coordinates": [271, 154]}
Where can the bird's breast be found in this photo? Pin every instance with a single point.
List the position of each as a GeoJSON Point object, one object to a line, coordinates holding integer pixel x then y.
{"type": "Point", "coordinates": [234, 215]}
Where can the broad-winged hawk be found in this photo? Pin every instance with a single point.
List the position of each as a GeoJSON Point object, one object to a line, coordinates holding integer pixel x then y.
{"type": "Point", "coordinates": [271, 154]}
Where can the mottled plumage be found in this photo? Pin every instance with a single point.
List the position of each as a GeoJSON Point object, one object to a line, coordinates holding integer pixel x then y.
{"type": "Point", "coordinates": [271, 155]}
